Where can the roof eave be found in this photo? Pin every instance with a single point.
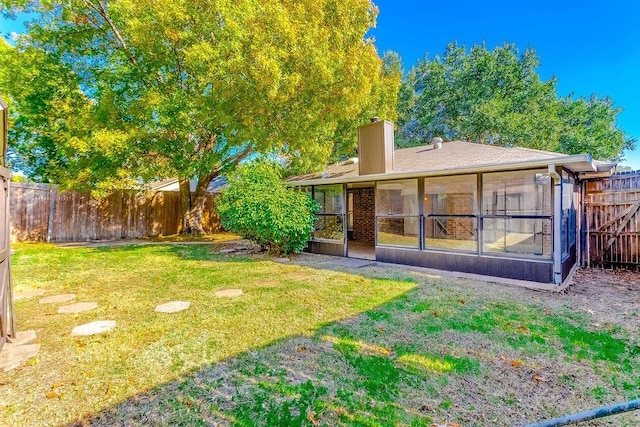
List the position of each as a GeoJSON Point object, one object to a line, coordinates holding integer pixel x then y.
{"type": "Point", "coordinates": [576, 163]}
{"type": "Point", "coordinates": [603, 170]}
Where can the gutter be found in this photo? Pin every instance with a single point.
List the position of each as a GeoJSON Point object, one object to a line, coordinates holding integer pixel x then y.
{"type": "Point", "coordinates": [557, 225]}
{"type": "Point", "coordinates": [491, 167]}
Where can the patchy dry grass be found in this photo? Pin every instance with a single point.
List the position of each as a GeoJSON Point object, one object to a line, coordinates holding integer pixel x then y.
{"type": "Point", "coordinates": [148, 349]}
{"type": "Point", "coordinates": [308, 346]}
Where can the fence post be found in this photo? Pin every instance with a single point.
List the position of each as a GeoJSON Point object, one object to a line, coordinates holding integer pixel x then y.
{"type": "Point", "coordinates": [52, 203]}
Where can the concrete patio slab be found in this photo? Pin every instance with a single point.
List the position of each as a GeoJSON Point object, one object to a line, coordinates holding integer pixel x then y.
{"type": "Point", "coordinates": [57, 298]}
{"type": "Point", "coordinates": [28, 294]}
{"type": "Point", "coordinates": [21, 338]}
{"type": "Point", "coordinates": [351, 262]}
{"type": "Point", "coordinates": [339, 263]}
{"type": "Point", "coordinates": [12, 358]}
{"type": "Point", "coordinates": [173, 307]}
{"type": "Point", "coordinates": [77, 307]}
{"type": "Point", "coordinates": [228, 293]}
{"type": "Point", "coordinates": [93, 328]}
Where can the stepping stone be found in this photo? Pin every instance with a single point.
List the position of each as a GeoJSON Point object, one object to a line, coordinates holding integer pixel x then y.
{"type": "Point", "coordinates": [281, 259]}
{"type": "Point", "coordinates": [22, 337]}
{"type": "Point", "coordinates": [229, 293]}
{"type": "Point", "coordinates": [97, 327]}
{"type": "Point", "coordinates": [227, 251]}
{"type": "Point", "coordinates": [57, 298]}
{"type": "Point", "coordinates": [77, 307]}
{"type": "Point", "coordinates": [13, 357]}
{"type": "Point", "coordinates": [28, 294]}
{"type": "Point", "coordinates": [173, 307]}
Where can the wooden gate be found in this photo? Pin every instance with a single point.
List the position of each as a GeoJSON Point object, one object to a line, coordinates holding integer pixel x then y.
{"type": "Point", "coordinates": [7, 323]}
{"type": "Point", "coordinates": [613, 221]}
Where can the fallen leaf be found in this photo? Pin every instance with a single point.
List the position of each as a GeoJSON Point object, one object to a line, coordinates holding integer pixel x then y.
{"type": "Point", "coordinates": [32, 362]}
{"type": "Point", "coordinates": [302, 349]}
{"type": "Point", "coordinates": [434, 313]}
{"type": "Point", "coordinates": [52, 395]}
{"type": "Point", "coordinates": [516, 363]}
{"type": "Point", "coordinates": [380, 329]}
{"type": "Point", "coordinates": [56, 385]}
{"type": "Point", "coordinates": [461, 301]}
{"type": "Point", "coordinates": [547, 311]}
{"type": "Point", "coordinates": [341, 411]}
{"type": "Point", "coordinates": [185, 400]}
{"type": "Point", "coordinates": [523, 329]}
{"type": "Point", "coordinates": [311, 416]}
{"type": "Point", "coordinates": [538, 379]}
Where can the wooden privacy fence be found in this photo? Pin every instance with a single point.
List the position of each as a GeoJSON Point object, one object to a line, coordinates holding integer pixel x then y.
{"type": "Point", "coordinates": [41, 213]}
{"type": "Point", "coordinates": [613, 221]}
{"type": "Point", "coordinates": [7, 321]}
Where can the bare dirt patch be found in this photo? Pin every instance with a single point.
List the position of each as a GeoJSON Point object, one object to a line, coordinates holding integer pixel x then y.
{"type": "Point", "coordinates": [611, 296]}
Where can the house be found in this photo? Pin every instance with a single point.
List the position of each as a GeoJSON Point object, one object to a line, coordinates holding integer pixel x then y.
{"type": "Point", "coordinates": [458, 206]}
{"type": "Point", "coordinates": [171, 184]}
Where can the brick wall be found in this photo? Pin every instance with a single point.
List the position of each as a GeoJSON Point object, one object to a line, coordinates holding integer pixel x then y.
{"type": "Point", "coordinates": [460, 204]}
{"type": "Point", "coordinates": [364, 211]}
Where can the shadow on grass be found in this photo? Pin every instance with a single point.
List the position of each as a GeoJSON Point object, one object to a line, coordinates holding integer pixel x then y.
{"type": "Point", "coordinates": [329, 378]}
{"type": "Point", "coordinates": [433, 353]}
{"type": "Point", "coordinates": [200, 251]}
{"type": "Point", "coordinates": [423, 357]}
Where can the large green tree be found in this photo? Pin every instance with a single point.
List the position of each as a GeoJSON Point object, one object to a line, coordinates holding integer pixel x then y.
{"type": "Point", "coordinates": [497, 97]}
{"type": "Point", "coordinates": [190, 88]}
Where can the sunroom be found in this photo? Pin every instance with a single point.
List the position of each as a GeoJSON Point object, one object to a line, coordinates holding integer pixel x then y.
{"type": "Point", "coordinates": [457, 206]}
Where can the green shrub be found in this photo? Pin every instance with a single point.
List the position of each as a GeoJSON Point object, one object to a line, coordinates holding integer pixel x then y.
{"type": "Point", "coordinates": [259, 206]}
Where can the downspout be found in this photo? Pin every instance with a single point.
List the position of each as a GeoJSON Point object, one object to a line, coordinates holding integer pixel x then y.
{"type": "Point", "coordinates": [584, 227]}
{"type": "Point", "coordinates": [557, 224]}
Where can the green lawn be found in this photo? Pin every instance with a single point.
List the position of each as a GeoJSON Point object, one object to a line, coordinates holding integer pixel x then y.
{"type": "Point", "coordinates": [302, 346]}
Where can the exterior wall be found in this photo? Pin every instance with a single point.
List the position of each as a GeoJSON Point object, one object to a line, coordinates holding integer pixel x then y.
{"type": "Point", "coordinates": [536, 271]}
{"type": "Point", "coordinates": [569, 262]}
{"type": "Point", "coordinates": [326, 248]}
{"type": "Point", "coordinates": [532, 266]}
{"type": "Point", "coordinates": [364, 213]}
{"type": "Point", "coordinates": [459, 204]}
{"type": "Point", "coordinates": [547, 228]}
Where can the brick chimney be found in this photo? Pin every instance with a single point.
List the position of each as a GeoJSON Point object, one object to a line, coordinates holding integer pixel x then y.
{"type": "Point", "coordinates": [375, 147]}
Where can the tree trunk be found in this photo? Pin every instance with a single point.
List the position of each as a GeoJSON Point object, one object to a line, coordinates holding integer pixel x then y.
{"type": "Point", "coordinates": [193, 212]}
{"type": "Point", "coordinates": [185, 205]}
{"type": "Point", "coordinates": [195, 215]}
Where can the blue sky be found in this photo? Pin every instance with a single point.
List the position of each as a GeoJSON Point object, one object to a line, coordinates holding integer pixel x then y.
{"type": "Point", "coordinates": [592, 47]}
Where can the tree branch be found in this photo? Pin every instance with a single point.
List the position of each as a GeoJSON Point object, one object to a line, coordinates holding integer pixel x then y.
{"type": "Point", "coordinates": [102, 11]}
{"type": "Point", "coordinates": [233, 160]}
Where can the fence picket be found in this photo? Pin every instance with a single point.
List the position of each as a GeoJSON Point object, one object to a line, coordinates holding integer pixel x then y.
{"type": "Point", "coordinates": [613, 218]}
{"type": "Point", "coordinates": [78, 216]}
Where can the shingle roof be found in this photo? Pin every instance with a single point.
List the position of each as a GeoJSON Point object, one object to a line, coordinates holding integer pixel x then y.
{"type": "Point", "coordinates": [452, 155]}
